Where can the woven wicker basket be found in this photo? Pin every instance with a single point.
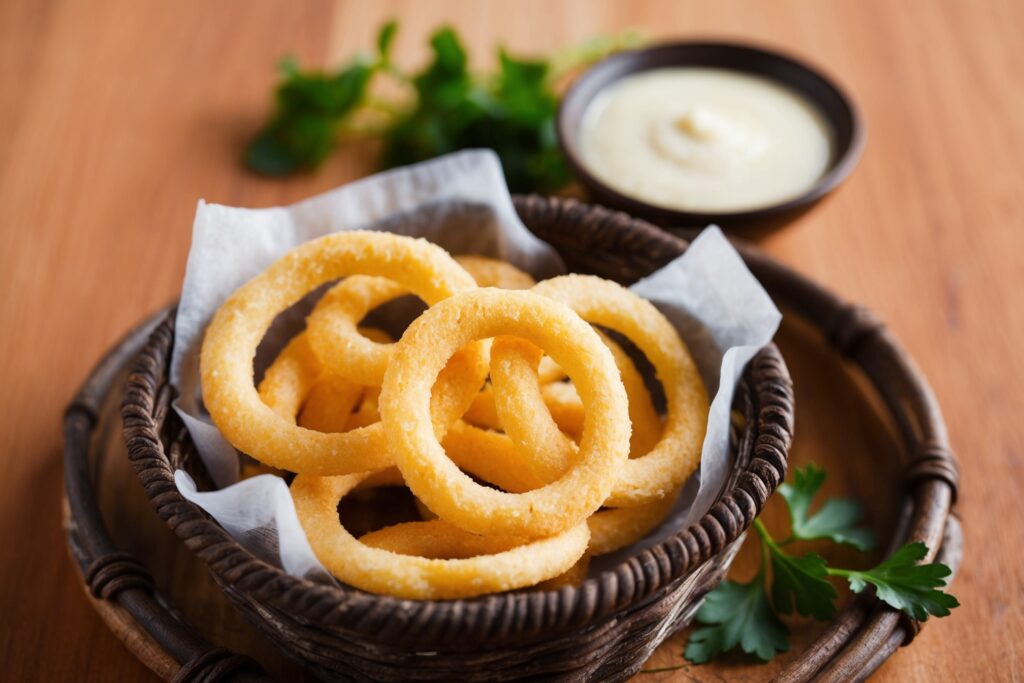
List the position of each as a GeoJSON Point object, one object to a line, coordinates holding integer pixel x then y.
{"type": "Point", "coordinates": [603, 630]}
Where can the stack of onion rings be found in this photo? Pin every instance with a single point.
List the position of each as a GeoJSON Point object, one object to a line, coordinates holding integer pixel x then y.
{"type": "Point", "coordinates": [527, 436]}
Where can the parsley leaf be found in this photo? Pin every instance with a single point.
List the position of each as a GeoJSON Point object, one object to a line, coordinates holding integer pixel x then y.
{"type": "Point", "coordinates": [835, 520]}
{"type": "Point", "coordinates": [742, 614]}
{"type": "Point", "coordinates": [738, 614]}
{"type": "Point", "coordinates": [511, 111]}
{"type": "Point", "coordinates": [309, 104]}
{"type": "Point", "coordinates": [906, 585]}
{"type": "Point", "coordinates": [800, 583]}
{"type": "Point", "coordinates": [385, 37]}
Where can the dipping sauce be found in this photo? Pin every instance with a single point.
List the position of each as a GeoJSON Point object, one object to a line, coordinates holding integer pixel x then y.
{"type": "Point", "coordinates": [704, 139]}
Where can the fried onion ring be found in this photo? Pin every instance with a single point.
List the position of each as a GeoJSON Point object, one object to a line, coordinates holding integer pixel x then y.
{"type": "Point", "coordinates": [439, 540]}
{"type": "Point", "coordinates": [241, 322]}
{"type": "Point", "coordinates": [490, 456]}
{"type": "Point", "coordinates": [412, 577]}
{"type": "Point", "coordinates": [329, 404]}
{"type": "Point", "coordinates": [493, 458]}
{"type": "Point", "coordinates": [518, 397]}
{"type": "Point", "coordinates": [675, 456]}
{"type": "Point", "coordinates": [524, 415]}
{"type": "Point", "coordinates": [405, 413]}
{"type": "Point", "coordinates": [333, 335]}
{"type": "Point", "coordinates": [616, 528]}
{"type": "Point", "coordinates": [436, 539]}
{"type": "Point", "coordinates": [489, 272]}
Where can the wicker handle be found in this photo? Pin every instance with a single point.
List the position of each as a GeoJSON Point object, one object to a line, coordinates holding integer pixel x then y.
{"type": "Point", "coordinates": [117, 577]}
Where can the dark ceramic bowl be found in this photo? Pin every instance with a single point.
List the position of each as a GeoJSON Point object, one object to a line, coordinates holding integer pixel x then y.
{"type": "Point", "coordinates": [836, 108]}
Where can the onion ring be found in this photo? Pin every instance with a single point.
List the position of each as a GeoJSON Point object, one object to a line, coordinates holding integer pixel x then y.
{"type": "Point", "coordinates": [436, 539]}
{"type": "Point", "coordinates": [405, 413]}
{"type": "Point", "coordinates": [332, 324]}
{"type": "Point", "coordinates": [616, 528]}
{"type": "Point", "coordinates": [493, 458]}
{"type": "Point", "coordinates": [675, 456]}
{"type": "Point", "coordinates": [328, 406]}
{"type": "Point", "coordinates": [535, 437]}
{"type": "Point", "coordinates": [241, 322]}
{"type": "Point", "coordinates": [490, 456]}
{"type": "Point", "coordinates": [489, 272]}
{"type": "Point", "coordinates": [404, 576]}
{"type": "Point", "coordinates": [288, 380]}
{"type": "Point", "coordinates": [566, 408]}
{"type": "Point", "coordinates": [561, 399]}
{"type": "Point", "coordinates": [522, 413]}
{"type": "Point", "coordinates": [525, 416]}
{"type": "Point", "coordinates": [367, 413]}
{"type": "Point", "coordinates": [295, 384]}
{"type": "Point", "coordinates": [439, 540]}
{"type": "Point", "coordinates": [573, 576]}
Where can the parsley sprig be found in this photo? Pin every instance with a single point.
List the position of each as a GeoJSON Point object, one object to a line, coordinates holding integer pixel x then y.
{"type": "Point", "coordinates": [440, 109]}
{"type": "Point", "coordinates": [746, 615]}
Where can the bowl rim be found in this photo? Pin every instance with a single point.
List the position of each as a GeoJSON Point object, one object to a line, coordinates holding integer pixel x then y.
{"type": "Point", "coordinates": [567, 130]}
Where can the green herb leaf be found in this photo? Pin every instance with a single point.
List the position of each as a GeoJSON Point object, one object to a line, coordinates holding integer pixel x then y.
{"type": "Point", "coordinates": [837, 518]}
{"type": "Point", "coordinates": [513, 114]}
{"type": "Point", "coordinates": [800, 583]}
{"type": "Point", "coordinates": [739, 614]}
{"type": "Point", "coordinates": [906, 585]}
{"type": "Point", "coordinates": [309, 104]}
{"type": "Point", "coordinates": [385, 37]}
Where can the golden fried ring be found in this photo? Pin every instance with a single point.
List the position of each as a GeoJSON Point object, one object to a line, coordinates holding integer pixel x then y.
{"type": "Point", "coordinates": [573, 576]}
{"type": "Point", "coordinates": [525, 416]}
{"type": "Point", "coordinates": [490, 456]}
{"type": "Point", "coordinates": [332, 328]}
{"type": "Point", "coordinates": [522, 413]}
{"type": "Point", "coordinates": [494, 458]}
{"type": "Point", "coordinates": [289, 379]}
{"type": "Point", "coordinates": [529, 426]}
{"type": "Point", "coordinates": [333, 335]}
{"type": "Point", "coordinates": [489, 272]}
{"type": "Point", "coordinates": [616, 528]}
{"type": "Point", "coordinates": [566, 408]}
{"type": "Point", "coordinates": [561, 399]}
{"type": "Point", "coordinates": [241, 322]}
{"type": "Point", "coordinates": [439, 540]}
{"type": "Point", "coordinates": [675, 457]}
{"type": "Point", "coordinates": [647, 425]}
{"type": "Point", "coordinates": [329, 404]}
{"type": "Point", "coordinates": [567, 411]}
{"type": "Point", "coordinates": [436, 539]}
{"type": "Point", "coordinates": [405, 413]}
{"type": "Point", "coordinates": [404, 576]}
{"type": "Point", "coordinates": [296, 384]}
{"type": "Point", "coordinates": [366, 414]}
{"type": "Point", "coordinates": [549, 371]}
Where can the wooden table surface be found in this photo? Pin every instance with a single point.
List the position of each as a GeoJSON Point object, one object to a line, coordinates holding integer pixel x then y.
{"type": "Point", "coordinates": [117, 116]}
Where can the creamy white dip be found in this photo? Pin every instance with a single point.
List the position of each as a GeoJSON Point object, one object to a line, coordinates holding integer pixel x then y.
{"type": "Point", "coordinates": [703, 139]}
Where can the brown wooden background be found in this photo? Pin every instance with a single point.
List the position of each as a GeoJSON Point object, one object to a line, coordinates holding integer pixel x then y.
{"type": "Point", "coordinates": [116, 116]}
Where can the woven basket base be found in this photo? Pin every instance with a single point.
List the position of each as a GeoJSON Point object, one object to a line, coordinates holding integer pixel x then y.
{"type": "Point", "coordinates": [185, 582]}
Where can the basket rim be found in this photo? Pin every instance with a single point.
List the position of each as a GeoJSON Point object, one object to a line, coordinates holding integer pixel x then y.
{"type": "Point", "coordinates": [628, 585]}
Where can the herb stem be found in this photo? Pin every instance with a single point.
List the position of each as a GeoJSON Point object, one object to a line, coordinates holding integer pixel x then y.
{"type": "Point", "coordinates": [845, 573]}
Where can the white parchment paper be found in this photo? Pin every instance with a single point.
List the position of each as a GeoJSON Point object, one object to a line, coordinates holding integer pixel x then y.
{"type": "Point", "coordinates": [460, 202]}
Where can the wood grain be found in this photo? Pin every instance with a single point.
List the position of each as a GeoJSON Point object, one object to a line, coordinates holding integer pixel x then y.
{"type": "Point", "coordinates": [117, 116]}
